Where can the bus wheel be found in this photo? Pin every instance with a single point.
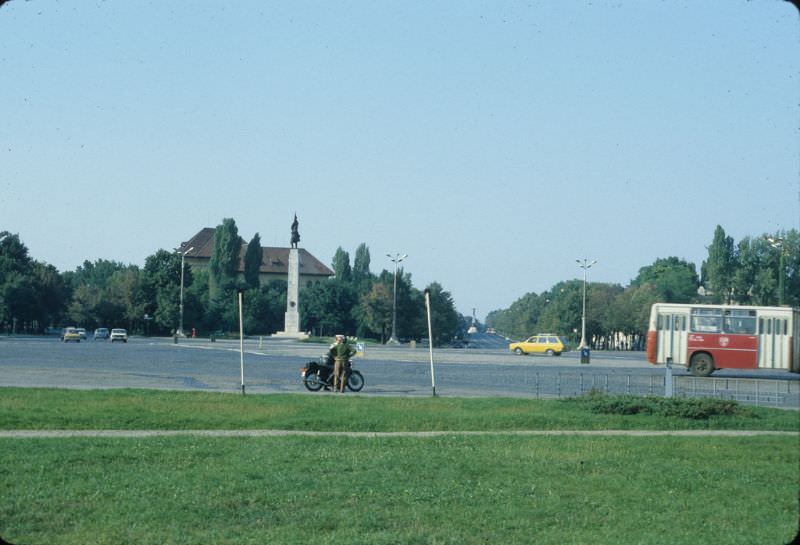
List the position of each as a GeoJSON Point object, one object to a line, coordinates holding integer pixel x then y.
{"type": "Point", "coordinates": [702, 365]}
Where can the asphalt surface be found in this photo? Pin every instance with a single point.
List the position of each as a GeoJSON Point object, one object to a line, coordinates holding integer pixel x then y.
{"type": "Point", "coordinates": [274, 366]}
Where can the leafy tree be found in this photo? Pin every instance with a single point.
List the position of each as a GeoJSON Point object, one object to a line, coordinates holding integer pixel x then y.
{"type": "Point", "coordinates": [196, 303]}
{"type": "Point", "coordinates": [630, 310]}
{"type": "Point", "coordinates": [31, 293]}
{"type": "Point", "coordinates": [18, 298]}
{"type": "Point", "coordinates": [224, 263]}
{"type": "Point", "coordinates": [161, 289]}
{"type": "Point", "coordinates": [600, 298]}
{"type": "Point", "coordinates": [362, 278]}
{"type": "Point", "coordinates": [758, 274]}
{"type": "Point", "coordinates": [264, 308]}
{"type": "Point", "coordinates": [523, 315]}
{"type": "Point", "coordinates": [445, 320]}
{"type": "Point", "coordinates": [95, 274]}
{"type": "Point", "coordinates": [223, 270]}
{"type": "Point", "coordinates": [341, 265]}
{"type": "Point", "coordinates": [719, 268]}
{"type": "Point", "coordinates": [791, 249]}
{"type": "Point", "coordinates": [562, 314]}
{"type": "Point", "coordinates": [411, 321]}
{"type": "Point", "coordinates": [13, 255]}
{"type": "Point", "coordinates": [252, 262]}
{"type": "Point", "coordinates": [106, 294]}
{"type": "Point", "coordinates": [674, 279]}
{"type": "Point", "coordinates": [51, 292]}
{"type": "Point", "coordinates": [754, 281]}
{"type": "Point", "coordinates": [81, 308]}
{"type": "Point", "coordinates": [124, 293]}
{"type": "Point", "coordinates": [223, 311]}
{"type": "Point", "coordinates": [328, 308]}
{"type": "Point", "coordinates": [375, 311]}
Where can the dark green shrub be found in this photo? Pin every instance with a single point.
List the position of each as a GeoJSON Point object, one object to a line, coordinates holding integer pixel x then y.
{"type": "Point", "coordinates": [692, 408]}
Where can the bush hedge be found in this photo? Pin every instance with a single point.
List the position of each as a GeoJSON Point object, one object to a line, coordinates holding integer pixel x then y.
{"type": "Point", "coordinates": [681, 407]}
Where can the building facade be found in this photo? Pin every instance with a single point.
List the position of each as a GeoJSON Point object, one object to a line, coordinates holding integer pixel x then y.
{"type": "Point", "coordinates": [274, 261]}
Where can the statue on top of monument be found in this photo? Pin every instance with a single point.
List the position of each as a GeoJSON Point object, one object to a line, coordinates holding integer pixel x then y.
{"type": "Point", "coordinates": [295, 233]}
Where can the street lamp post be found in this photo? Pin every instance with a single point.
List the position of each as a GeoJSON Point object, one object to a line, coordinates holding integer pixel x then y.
{"type": "Point", "coordinates": [583, 265]}
{"type": "Point", "coordinates": [183, 259]}
{"type": "Point", "coordinates": [395, 259]}
{"type": "Point", "coordinates": [777, 243]}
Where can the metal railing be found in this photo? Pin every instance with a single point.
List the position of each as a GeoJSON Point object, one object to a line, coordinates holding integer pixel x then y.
{"type": "Point", "coordinates": [762, 392]}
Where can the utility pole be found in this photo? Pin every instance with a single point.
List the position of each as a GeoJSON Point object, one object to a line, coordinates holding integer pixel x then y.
{"type": "Point", "coordinates": [583, 265]}
{"type": "Point", "coordinates": [396, 259]}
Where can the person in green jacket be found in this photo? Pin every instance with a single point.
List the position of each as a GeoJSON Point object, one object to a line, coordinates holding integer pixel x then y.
{"type": "Point", "coordinates": [342, 352]}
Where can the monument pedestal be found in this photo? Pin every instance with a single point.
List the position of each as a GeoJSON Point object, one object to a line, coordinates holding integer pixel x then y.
{"type": "Point", "coordinates": [291, 324]}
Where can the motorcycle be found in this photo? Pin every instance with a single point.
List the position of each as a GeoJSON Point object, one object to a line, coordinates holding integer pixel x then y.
{"type": "Point", "coordinates": [319, 374]}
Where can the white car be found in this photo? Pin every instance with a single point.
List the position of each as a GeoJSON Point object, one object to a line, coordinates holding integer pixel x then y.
{"type": "Point", "coordinates": [118, 334]}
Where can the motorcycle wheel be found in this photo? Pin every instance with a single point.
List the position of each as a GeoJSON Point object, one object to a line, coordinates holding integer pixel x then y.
{"type": "Point", "coordinates": [312, 382]}
{"type": "Point", "coordinates": [355, 382]}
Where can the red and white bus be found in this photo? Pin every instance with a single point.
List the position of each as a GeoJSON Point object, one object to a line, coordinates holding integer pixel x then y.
{"type": "Point", "coordinates": [709, 337]}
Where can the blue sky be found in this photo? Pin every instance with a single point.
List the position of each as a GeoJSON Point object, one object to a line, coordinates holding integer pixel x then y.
{"type": "Point", "coordinates": [492, 142]}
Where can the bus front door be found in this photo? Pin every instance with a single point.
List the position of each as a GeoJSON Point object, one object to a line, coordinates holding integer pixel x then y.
{"type": "Point", "coordinates": [672, 338]}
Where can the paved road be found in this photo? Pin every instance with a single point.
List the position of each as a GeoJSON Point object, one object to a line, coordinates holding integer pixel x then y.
{"type": "Point", "coordinates": [273, 366]}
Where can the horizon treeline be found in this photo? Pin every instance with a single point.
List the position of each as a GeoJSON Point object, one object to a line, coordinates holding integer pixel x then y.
{"type": "Point", "coordinates": [751, 272]}
{"type": "Point", "coordinates": [35, 296]}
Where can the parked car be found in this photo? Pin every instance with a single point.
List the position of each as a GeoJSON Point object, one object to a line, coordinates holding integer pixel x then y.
{"type": "Point", "coordinates": [118, 334]}
{"type": "Point", "coordinates": [544, 343]}
{"type": "Point", "coordinates": [71, 334]}
{"type": "Point", "coordinates": [82, 333]}
{"type": "Point", "coordinates": [101, 333]}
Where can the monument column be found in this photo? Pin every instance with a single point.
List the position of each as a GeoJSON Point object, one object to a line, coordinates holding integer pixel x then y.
{"type": "Point", "coordinates": [292, 317]}
{"type": "Point", "coordinates": [291, 321]}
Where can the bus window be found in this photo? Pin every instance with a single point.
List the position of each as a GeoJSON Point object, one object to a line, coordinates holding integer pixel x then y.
{"type": "Point", "coordinates": [705, 320]}
{"type": "Point", "coordinates": [742, 322]}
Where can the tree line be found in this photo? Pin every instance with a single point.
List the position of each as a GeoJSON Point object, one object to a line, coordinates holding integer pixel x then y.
{"type": "Point", "coordinates": [747, 273]}
{"type": "Point", "coordinates": [35, 296]}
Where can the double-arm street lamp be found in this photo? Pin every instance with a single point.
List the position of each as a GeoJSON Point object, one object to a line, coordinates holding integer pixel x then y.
{"type": "Point", "coordinates": [585, 266]}
{"type": "Point", "coordinates": [777, 243]}
{"type": "Point", "coordinates": [395, 259]}
{"type": "Point", "coordinates": [183, 259]}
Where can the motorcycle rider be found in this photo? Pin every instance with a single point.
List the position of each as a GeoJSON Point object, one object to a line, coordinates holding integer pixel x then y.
{"type": "Point", "coordinates": [341, 352]}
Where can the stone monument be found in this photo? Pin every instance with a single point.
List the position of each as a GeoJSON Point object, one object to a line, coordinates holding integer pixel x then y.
{"type": "Point", "coordinates": [291, 325]}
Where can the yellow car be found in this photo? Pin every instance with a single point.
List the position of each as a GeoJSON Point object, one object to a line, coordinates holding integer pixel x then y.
{"type": "Point", "coordinates": [545, 343]}
{"type": "Point", "coordinates": [71, 334]}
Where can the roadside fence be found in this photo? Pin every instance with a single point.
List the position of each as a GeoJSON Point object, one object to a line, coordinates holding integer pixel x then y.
{"type": "Point", "coordinates": [762, 392]}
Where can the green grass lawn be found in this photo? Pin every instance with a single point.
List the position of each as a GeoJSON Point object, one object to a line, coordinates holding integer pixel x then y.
{"type": "Point", "coordinates": [22, 408]}
{"type": "Point", "coordinates": [398, 490]}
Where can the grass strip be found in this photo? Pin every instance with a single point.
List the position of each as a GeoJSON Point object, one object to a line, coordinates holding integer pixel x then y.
{"type": "Point", "coordinates": [24, 408]}
{"type": "Point", "coordinates": [444, 490]}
